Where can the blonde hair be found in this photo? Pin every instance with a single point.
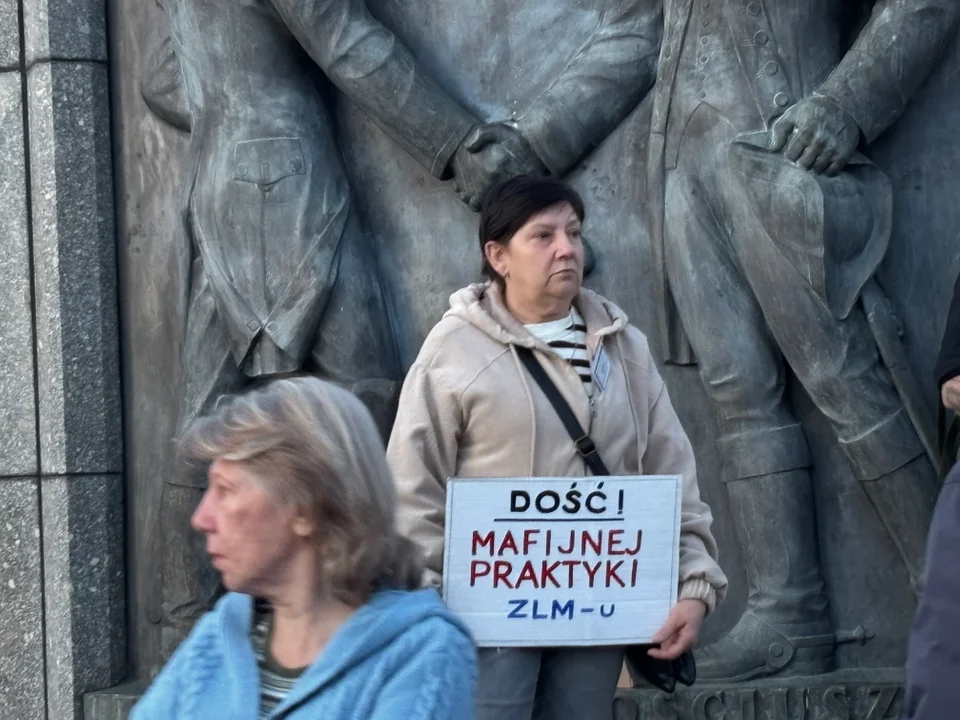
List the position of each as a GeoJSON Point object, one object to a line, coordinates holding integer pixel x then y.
{"type": "Point", "coordinates": [315, 446]}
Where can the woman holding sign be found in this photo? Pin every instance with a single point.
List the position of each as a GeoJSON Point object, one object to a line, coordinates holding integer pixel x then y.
{"type": "Point", "coordinates": [474, 405]}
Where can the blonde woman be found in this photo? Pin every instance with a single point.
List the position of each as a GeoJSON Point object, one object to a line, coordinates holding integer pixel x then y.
{"type": "Point", "coordinates": [299, 513]}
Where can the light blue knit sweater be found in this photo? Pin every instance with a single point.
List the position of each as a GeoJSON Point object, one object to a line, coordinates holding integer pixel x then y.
{"type": "Point", "coordinates": [402, 656]}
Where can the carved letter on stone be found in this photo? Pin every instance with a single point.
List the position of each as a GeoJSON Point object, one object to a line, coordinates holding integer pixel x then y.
{"type": "Point", "coordinates": [709, 706]}
{"type": "Point", "coordinates": [748, 705]}
{"type": "Point", "coordinates": [782, 704]}
{"type": "Point", "coordinates": [882, 698]}
{"type": "Point", "coordinates": [836, 702]}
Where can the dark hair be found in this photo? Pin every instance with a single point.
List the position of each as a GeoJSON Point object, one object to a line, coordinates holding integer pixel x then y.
{"type": "Point", "coordinates": [507, 207]}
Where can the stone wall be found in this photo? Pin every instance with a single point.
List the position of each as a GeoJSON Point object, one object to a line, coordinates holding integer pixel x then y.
{"type": "Point", "coordinates": [62, 603]}
{"type": "Point", "coordinates": [426, 242]}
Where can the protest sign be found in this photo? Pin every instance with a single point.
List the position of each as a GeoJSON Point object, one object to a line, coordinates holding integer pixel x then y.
{"type": "Point", "coordinates": [562, 561]}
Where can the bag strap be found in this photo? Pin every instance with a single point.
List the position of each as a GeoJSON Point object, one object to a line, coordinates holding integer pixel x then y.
{"type": "Point", "coordinates": [581, 441]}
{"type": "Point", "coordinates": [663, 674]}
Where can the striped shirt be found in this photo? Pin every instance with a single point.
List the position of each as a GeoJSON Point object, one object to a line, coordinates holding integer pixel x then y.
{"type": "Point", "coordinates": [567, 337]}
{"type": "Point", "coordinates": [275, 680]}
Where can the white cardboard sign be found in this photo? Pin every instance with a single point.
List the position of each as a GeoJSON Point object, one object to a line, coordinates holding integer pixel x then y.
{"type": "Point", "coordinates": [562, 561]}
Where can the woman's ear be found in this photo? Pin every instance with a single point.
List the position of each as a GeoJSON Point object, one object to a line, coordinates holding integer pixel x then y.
{"type": "Point", "coordinates": [496, 255]}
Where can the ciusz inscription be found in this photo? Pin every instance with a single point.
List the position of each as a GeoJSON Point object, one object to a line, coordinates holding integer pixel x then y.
{"type": "Point", "coordinates": [768, 702]}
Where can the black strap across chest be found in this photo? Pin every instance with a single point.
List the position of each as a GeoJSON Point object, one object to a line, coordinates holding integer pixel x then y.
{"type": "Point", "coordinates": [581, 440]}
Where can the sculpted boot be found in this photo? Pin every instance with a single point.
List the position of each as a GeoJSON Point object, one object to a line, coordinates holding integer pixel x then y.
{"type": "Point", "coordinates": [785, 628]}
{"type": "Point", "coordinates": [904, 500]}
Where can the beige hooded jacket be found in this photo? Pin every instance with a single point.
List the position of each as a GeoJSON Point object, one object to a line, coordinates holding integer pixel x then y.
{"type": "Point", "coordinates": [469, 408]}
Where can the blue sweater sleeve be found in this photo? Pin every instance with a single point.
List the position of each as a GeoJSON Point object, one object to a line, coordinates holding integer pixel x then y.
{"type": "Point", "coordinates": [160, 700]}
{"type": "Point", "coordinates": [436, 683]}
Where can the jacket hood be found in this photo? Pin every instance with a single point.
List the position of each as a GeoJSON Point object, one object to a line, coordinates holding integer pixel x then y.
{"type": "Point", "coordinates": [481, 305]}
{"type": "Point", "coordinates": [388, 615]}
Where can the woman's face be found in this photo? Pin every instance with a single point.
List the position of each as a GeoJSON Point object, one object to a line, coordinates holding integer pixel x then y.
{"type": "Point", "coordinates": [251, 539]}
{"type": "Point", "coordinates": [544, 259]}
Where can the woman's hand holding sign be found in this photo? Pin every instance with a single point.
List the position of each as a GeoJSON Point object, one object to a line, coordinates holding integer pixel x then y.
{"type": "Point", "coordinates": [681, 630]}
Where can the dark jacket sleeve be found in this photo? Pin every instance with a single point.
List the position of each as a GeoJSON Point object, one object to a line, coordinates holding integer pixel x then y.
{"type": "Point", "coordinates": [890, 60]}
{"type": "Point", "coordinates": [948, 361]}
{"type": "Point", "coordinates": [933, 655]}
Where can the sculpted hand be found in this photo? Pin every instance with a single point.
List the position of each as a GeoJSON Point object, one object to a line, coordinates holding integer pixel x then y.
{"type": "Point", "coordinates": [950, 394]}
{"type": "Point", "coordinates": [491, 153]}
{"type": "Point", "coordinates": [817, 134]}
{"type": "Point", "coordinates": [681, 630]}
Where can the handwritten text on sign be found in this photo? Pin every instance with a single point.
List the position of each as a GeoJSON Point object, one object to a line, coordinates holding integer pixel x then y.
{"type": "Point", "coordinates": [546, 561]}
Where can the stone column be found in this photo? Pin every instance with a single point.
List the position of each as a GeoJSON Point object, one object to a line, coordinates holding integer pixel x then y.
{"type": "Point", "coordinates": [62, 594]}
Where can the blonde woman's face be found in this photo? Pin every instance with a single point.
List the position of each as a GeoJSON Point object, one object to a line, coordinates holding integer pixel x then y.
{"type": "Point", "coordinates": [251, 539]}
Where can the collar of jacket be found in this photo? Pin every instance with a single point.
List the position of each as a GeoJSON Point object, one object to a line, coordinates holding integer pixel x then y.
{"type": "Point", "coordinates": [482, 305]}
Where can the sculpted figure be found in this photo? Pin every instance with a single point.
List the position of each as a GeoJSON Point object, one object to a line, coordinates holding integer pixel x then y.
{"type": "Point", "coordinates": [276, 275]}
{"type": "Point", "coordinates": [768, 229]}
{"type": "Point", "coordinates": [598, 87]}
